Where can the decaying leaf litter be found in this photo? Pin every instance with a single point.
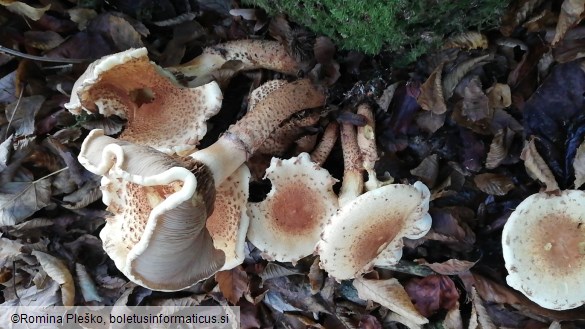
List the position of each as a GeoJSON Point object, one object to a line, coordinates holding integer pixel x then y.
{"type": "Point", "coordinates": [484, 122]}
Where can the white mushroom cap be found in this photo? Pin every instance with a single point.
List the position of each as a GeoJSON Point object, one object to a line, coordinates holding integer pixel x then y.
{"type": "Point", "coordinates": [287, 224]}
{"type": "Point", "coordinates": [160, 112]}
{"type": "Point", "coordinates": [229, 222]}
{"type": "Point", "coordinates": [156, 235]}
{"type": "Point", "coordinates": [543, 243]}
{"type": "Point", "coordinates": [369, 229]}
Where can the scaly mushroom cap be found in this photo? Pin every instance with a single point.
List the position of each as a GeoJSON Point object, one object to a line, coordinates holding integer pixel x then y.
{"type": "Point", "coordinates": [160, 112]}
{"type": "Point", "coordinates": [156, 235]}
{"type": "Point", "coordinates": [287, 224]}
{"type": "Point", "coordinates": [543, 243]}
{"type": "Point", "coordinates": [369, 229]}
{"type": "Point", "coordinates": [229, 222]}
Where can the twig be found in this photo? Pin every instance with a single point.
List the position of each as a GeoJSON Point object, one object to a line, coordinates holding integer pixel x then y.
{"type": "Point", "coordinates": [39, 58]}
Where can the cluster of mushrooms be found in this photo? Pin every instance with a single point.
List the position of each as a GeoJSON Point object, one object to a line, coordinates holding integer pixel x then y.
{"type": "Point", "coordinates": [179, 214]}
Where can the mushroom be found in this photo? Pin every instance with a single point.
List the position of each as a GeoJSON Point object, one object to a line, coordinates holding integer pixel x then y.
{"type": "Point", "coordinates": [366, 140]}
{"type": "Point", "coordinates": [156, 235]}
{"type": "Point", "coordinates": [353, 181]}
{"type": "Point", "coordinates": [287, 224]}
{"type": "Point", "coordinates": [251, 54]}
{"type": "Point", "coordinates": [160, 112]}
{"type": "Point", "coordinates": [369, 230]}
{"type": "Point", "coordinates": [322, 150]}
{"type": "Point", "coordinates": [543, 243]}
{"type": "Point", "coordinates": [229, 222]}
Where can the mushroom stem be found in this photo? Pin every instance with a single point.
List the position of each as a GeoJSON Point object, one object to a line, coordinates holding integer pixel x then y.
{"type": "Point", "coordinates": [366, 140]}
{"type": "Point", "coordinates": [321, 152]}
{"type": "Point", "coordinates": [245, 137]}
{"type": "Point", "coordinates": [252, 54]}
{"type": "Point", "coordinates": [353, 180]}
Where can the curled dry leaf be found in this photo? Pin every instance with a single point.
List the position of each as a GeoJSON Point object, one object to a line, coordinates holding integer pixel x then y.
{"type": "Point", "coordinates": [43, 40]}
{"type": "Point", "coordinates": [22, 8]}
{"type": "Point", "coordinates": [232, 283]}
{"type": "Point", "coordinates": [451, 267]}
{"type": "Point", "coordinates": [59, 272]}
{"type": "Point", "coordinates": [316, 276]}
{"type": "Point", "coordinates": [453, 78]}
{"type": "Point", "coordinates": [273, 270]}
{"type": "Point", "coordinates": [432, 293]}
{"type": "Point", "coordinates": [467, 40]}
{"type": "Point", "coordinates": [493, 184]}
{"type": "Point", "coordinates": [499, 96]}
{"type": "Point", "coordinates": [475, 103]}
{"type": "Point", "coordinates": [390, 294]}
{"type": "Point", "coordinates": [536, 167]}
{"type": "Point", "coordinates": [571, 14]}
{"type": "Point", "coordinates": [431, 93]}
{"type": "Point", "coordinates": [517, 14]}
{"type": "Point", "coordinates": [499, 148]}
{"type": "Point", "coordinates": [579, 166]}
{"type": "Point", "coordinates": [88, 288]}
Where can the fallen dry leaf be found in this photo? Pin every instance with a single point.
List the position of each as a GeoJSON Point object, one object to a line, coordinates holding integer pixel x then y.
{"type": "Point", "coordinates": [432, 293]}
{"type": "Point", "coordinates": [571, 14]}
{"type": "Point", "coordinates": [451, 267]}
{"type": "Point", "coordinates": [467, 40]}
{"type": "Point", "coordinates": [493, 184]}
{"type": "Point", "coordinates": [19, 200]}
{"type": "Point", "coordinates": [479, 317]}
{"type": "Point", "coordinates": [452, 78]}
{"type": "Point", "coordinates": [85, 282]}
{"type": "Point", "coordinates": [390, 294]}
{"type": "Point", "coordinates": [232, 283]}
{"type": "Point", "coordinates": [59, 272]}
{"type": "Point", "coordinates": [22, 8]}
{"type": "Point", "coordinates": [431, 93]}
{"type": "Point", "coordinates": [537, 168]}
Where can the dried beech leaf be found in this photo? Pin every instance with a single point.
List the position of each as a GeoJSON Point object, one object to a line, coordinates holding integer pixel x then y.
{"type": "Point", "coordinates": [390, 294]}
{"type": "Point", "coordinates": [431, 93]}
{"type": "Point", "coordinates": [537, 168]}
{"type": "Point", "coordinates": [232, 283]}
{"type": "Point", "coordinates": [88, 193]}
{"type": "Point", "coordinates": [9, 249]}
{"type": "Point", "coordinates": [452, 79]}
{"type": "Point", "coordinates": [467, 40]}
{"type": "Point", "coordinates": [571, 11]}
{"type": "Point", "coordinates": [88, 288]}
{"type": "Point", "coordinates": [427, 170]}
{"type": "Point", "coordinates": [43, 40]}
{"type": "Point", "coordinates": [579, 166]}
{"type": "Point", "coordinates": [453, 318]}
{"type": "Point", "coordinates": [8, 88]}
{"type": "Point", "coordinates": [430, 122]}
{"type": "Point", "coordinates": [475, 103]}
{"type": "Point", "coordinates": [516, 14]}
{"type": "Point", "coordinates": [273, 270]}
{"type": "Point", "coordinates": [493, 184]}
{"type": "Point", "coordinates": [21, 8]}
{"type": "Point", "coordinates": [21, 114]}
{"type": "Point", "coordinates": [19, 200]}
{"type": "Point", "coordinates": [81, 16]}
{"type": "Point", "coordinates": [498, 149]}
{"type": "Point", "coordinates": [499, 96]}
{"type": "Point", "coordinates": [316, 276]}
{"type": "Point", "coordinates": [451, 267]}
{"type": "Point", "coordinates": [59, 272]}
{"type": "Point", "coordinates": [479, 316]}
{"type": "Point", "coordinates": [432, 293]}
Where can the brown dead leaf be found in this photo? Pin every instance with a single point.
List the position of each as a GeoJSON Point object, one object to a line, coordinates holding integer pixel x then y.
{"type": "Point", "coordinates": [452, 79]}
{"type": "Point", "coordinates": [451, 267]}
{"type": "Point", "coordinates": [316, 276]}
{"type": "Point", "coordinates": [85, 282]}
{"type": "Point", "coordinates": [19, 200]}
{"type": "Point", "coordinates": [273, 270]}
{"type": "Point", "coordinates": [479, 317]}
{"type": "Point", "coordinates": [232, 283]}
{"type": "Point", "coordinates": [431, 93]}
{"type": "Point", "coordinates": [390, 294]}
{"type": "Point", "coordinates": [579, 166]}
{"type": "Point", "coordinates": [475, 103]}
{"type": "Point", "coordinates": [517, 14]}
{"type": "Point", "coordinates": [467, 40]}
{"type": "Point", "coordinates": [43, 40]}
{"type": "Point", "coordinates": [428, 170]}
{"type": "Point", "coordinates": [453, 318]}
{"type": "Point", "coordinates": [499, 148]}
{"type": "Point", "coordinates": [430, 122]}
{"type": "Point", "coordinates": [81, 16]}
{"type": "Point", "coordinates": [493, 184]}
{"type": "Point", "coordinates": [432, 293]}
{"type": "Point", "coordinates": [22, 8]}
{"type": "Point", "coordinates": [59, 272]}
{"type": "Point", "coordinates": [571, 14]}
{"type": "Point", "coordinates": [536, 167]}
{"type": "Point", "coordinates": [499, 96]}
{"type": "Point", "coordinates": [21, 114]}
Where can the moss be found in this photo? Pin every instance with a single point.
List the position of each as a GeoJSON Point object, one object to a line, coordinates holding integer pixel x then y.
{"type": "Point", "coordinates": [408, 27]}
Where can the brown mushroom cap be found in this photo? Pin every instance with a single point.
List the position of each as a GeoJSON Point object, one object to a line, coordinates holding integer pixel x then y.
{"type": "Point", "coordinates": [160, 112]}
{"type": "Point", "coordinates": [229, 222]}
{"type": "Point", "coordinates": [543, 244]}
{"type": "Point", "coordinates": [156, 235]}
{"type": "Point", "coordinates": [369, 229]}
{"type": "Point", "coordinates": [287, 224]}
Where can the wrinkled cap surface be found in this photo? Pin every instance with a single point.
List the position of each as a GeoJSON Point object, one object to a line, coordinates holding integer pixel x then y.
{"type": "Point", "coordinates": [369, 229]}
{"type": "Point", "coordinates": [229, 222]}
{"type": "Point", "coordinates": [543, 243]}
{"type": "Point", "coordinates": [287, 224]}
{"type": "Point", "coordinates": [160, 112]}
{"type": "Point", "coordinates": [156, 235]}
